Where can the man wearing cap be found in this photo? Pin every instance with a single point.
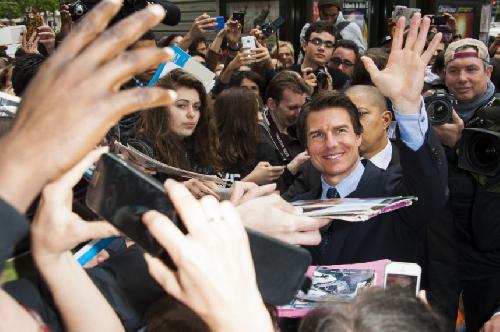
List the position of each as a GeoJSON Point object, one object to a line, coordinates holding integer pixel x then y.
{"type": "Point", "coordinates": [474, 207]}
{"type": "Point", "coordinates": [332, 11]}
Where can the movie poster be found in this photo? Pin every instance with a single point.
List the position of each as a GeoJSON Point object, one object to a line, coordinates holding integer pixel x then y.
{"type": "Point", "coordinates": [464, 16]}
{"type": "Point", "coordinates": [357, 12]}
{"type": "Point", "coordinates": [256, 12]}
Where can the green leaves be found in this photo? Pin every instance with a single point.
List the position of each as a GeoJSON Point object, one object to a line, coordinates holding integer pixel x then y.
{"type": "Point", "coordinates": [18, 8]}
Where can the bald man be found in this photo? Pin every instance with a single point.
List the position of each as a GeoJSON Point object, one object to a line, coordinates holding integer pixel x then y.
{"type": "Point", "coordinates": [375, 118]}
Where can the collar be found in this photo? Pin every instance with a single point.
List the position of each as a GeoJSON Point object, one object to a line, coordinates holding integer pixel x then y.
{"type": "Point", "coordinates": [347, 185]}
{"type": "Point", "coordinates": [384, 157]}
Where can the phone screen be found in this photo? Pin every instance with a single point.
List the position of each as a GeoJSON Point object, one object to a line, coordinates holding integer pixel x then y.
{"type": "Point", "coordinates": [403, 280]}
{"type": "Point", "coordinates": [121, 194]}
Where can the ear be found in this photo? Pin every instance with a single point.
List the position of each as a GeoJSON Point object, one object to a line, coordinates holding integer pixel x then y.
{"type": "Point", "coordinates": [489, 70]}
{"type": "Point", "coordinates": [386, 118]}
{"type": "Point", "coordinates": [271, 104]}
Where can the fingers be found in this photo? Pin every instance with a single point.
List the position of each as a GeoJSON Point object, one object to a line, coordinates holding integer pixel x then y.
{"type": "Point", "coordinates": [413, 33]}
{"type": "Point", "coordinates": [310, 224]}
{"type": "Point", "coordinates": [256, 191]}
{"type": "Point", "coordinates": [427, 55]}
{"type": "Point", "coordinates": [311, 238]}
{"type": "Point", "coordinates": [131, 100]}
{"type": "Point", "coordinates": [422, 35]}
{"type": "Point", "coordinates": [187, 207]}
{"type": "Point", "coordinates": [131, 63]}
{"type": "Point", "coordinates": [95, 230]}
{"type": "Point", "coordinates": [89, 27]}
{"type": "Point", "coordinates": [397, 42]}
{"type": "Point", "coordinates": [370, 66]}
{"type": "Point", "coordinates": [164, 276]}
{"type": "Point", "coordinates": [117, 38]}
{"type": "Point", "coordinates": [263, 164]}
{"type": "Point", "coordinates": [71, 178]}
{"type": "Point", "coordinates": [167, 234]}
{"type": "Point", "coordinates": [239, 189]}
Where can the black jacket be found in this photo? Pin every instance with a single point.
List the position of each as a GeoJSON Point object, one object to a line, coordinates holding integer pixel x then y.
{"type": "Point", "coordinates": [423, 173]}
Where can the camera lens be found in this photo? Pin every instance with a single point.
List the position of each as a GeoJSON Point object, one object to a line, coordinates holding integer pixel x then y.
{"type": "Point", "coordinates": [485, 152]}
{"type": "Point", "coordinates": [79, 10]}
{"type": "Point", "coordinates": [439, 112]}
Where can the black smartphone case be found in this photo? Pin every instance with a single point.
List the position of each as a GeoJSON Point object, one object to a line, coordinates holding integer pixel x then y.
{"type": "Point", "coordinates": [120, 193]}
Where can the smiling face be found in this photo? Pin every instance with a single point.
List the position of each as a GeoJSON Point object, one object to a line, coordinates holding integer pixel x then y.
{"type": "Point", "coordinates": [466, 78]}
{"type": "Point", "coordinates": [332, 143]}
{"type": "Point", "coordinates": [318, 55]}
{"type": "Point", "coordinates": [185, 112]}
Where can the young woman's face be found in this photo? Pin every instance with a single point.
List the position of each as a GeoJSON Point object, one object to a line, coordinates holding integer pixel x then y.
{"type": "Point", "coordinates": [185, 112]}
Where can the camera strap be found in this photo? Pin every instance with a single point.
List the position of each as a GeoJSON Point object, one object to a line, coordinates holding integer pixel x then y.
{"type": "Point", "coordinates": [276, 136]}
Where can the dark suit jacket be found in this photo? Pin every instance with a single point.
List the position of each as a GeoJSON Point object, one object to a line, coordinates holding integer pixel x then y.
{"type": "Point", "coordinates": [308, 178]}
{"type": "Point", "coordinates": [423, 173]}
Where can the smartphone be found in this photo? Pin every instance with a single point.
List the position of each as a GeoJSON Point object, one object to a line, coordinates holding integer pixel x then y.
{"type": "Point", "coordinates": [248, 42]}
{"type": "Point", "coordinates": [120, 193]}
{"type": "Point", "coordinates": [439, 20]}
{"type": "Point", "coordinates": [240, 17]}
{"type": "Point", "coordinates": [403, 274]}
{"type": "Point", "coordinates": [220, 23]}
{"type": "Point", "coordinates": [12, 35]}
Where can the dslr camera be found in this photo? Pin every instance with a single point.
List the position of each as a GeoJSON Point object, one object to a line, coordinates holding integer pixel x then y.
{"type": "Point", "coordinates": [270, 28]}
{"type": "Point", "coordinates": [79, 8]}
{"type": "Point", "coordinates": [321, 77]}
{"type": "Point", "coordinates": [439, 107]}
{"type": "Point", "coordinates": [479, 147]}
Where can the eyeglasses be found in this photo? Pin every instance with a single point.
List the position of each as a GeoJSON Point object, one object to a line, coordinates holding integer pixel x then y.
{"type": "Point", "coordinates": [338, 61]}
{"type": "Point", "coordinates": [319, 42]}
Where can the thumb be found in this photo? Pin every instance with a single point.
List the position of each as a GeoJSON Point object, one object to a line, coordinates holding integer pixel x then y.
{"type": "Point", "coordinates": [264, 164]}
{"type": "Point", "coordinates": [455, 117]}
{"type": "Point", "coordinates": [96, 230]}
{"type": "Point", "coordinates": [370, 66]}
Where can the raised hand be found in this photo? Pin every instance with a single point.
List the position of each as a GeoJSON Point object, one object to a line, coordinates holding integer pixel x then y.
{"type": "Point", "coordinates": [402, 79]}
{"type": "Point", "coordinates": [215, 275]}
{"type": "Point", "coordinates": [75, 98]}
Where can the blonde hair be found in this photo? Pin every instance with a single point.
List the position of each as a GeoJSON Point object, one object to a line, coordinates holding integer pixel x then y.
{"type": "Point", "coordinates": [282, 43]}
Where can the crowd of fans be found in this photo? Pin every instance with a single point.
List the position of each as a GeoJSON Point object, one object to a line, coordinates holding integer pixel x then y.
{"type": "Point", "coordinates": [335, 119]}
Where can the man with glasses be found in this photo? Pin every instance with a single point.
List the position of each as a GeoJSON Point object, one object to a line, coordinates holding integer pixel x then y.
{"type": "Point", "coordinates": [320, 39]}
{"type": "Point", "coordinates": [344, 57]}
{"type": "Point", "coordinates": [331, 11]}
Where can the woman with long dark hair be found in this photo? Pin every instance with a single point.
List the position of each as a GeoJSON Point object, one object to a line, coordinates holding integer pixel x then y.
{"type": "Point", "coordinates": [183, 134]}
{"type": "Point", "coordinates": [241, 147]}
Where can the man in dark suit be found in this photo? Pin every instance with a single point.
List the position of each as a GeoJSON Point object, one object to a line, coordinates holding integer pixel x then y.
{"type": "Point", "coordinates": [331, 128]}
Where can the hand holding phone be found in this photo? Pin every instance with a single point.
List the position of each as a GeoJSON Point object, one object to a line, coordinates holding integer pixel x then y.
{"type": "Point", "coordinates": [121, 194]}
{"type": "Point", "coordinates": [403, 274]}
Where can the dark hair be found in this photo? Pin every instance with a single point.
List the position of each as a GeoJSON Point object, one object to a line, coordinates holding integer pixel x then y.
{"type": "Point", "coordinates": [165, 41]}
{"type": "Point", "coordinates": [349, 44]}
{"type": "Point", "coordinates": [321, 26]}
{"type": "Point", "coordinates": [374, 310]}
{"type": "Point", "coordinates": [438, 65]}
{"type": "Point", "coordinates": [200, 148]}
{"type": "Point", "coordinates": [360, 75]}
{"type": "Point", "coordinates": [25, 69]}
{"type": "Point", "coordinates": [239, 76]}
{"type": "Point", "coordinates": [236, 111]}
{"type": "Point", "coordinates": [168, 314]}
{"type": "Point", "coordinates": [323, 100]}
{"type": "Point", "coordinates": [283, 80]}
{"type": "Point", "coordinates": [193, 48]}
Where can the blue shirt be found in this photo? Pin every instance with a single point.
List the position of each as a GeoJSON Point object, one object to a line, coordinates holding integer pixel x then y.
{"type": "Point", "coordinates": [412, 129]}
